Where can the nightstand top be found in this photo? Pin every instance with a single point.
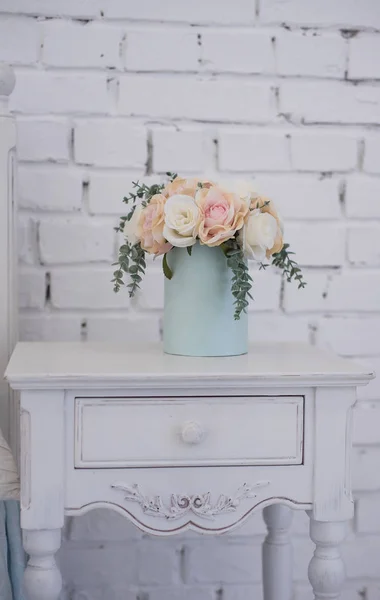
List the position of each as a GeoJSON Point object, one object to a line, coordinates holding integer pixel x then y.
{"type": "Point", "coordinates": [45, 365]}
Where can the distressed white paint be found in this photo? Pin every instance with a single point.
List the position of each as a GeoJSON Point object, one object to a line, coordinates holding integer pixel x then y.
{"type": "Point", "coordinates": [146, 432]}
{"type": "Point", "coordinates": [277, 553]}
{"type": "Point", "coordinates": [8, 298]}
{"type": "Point", "coordinates": [57, 378]}
{"type": "Point", "coordinates": [326, 569]}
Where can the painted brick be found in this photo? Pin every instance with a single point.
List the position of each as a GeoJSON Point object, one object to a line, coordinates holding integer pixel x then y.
{"type": "Point", "coordinates": [338, 102]}
{"type": "Point", "coordinates": [303, 549]}
{"type": "Point", "coordinates": [365, 474]}
{"type": "Point", "coordinates": [242, 592]}
{"type": "Point", "coordinates": [324, 12]}
{"type": "Point", "coordinates": [24, 29]}
{"type": "Point", "coordinates": [107, 190]}
{"type": "Point", "coordinates": [299, 196]}
{"type": "Point", "coordinates": [363, 197]}
{"type": "Point", "coordinates": [81, 45]}
{"type": "Point", "coordinates": [110, 143]}
{"type": "Point", "coordinates": [50, 328]}
{"type": "Point", "coordinates": [196, 12]}
{"type": "Point", "coordinates": [89, 241]}
{"type": "Point", "coordinates": [348, 291]}
{"type": "Point", "coordinates": [168, 50]}
{"type": "Point", "coordinates": [44, 92]}
{"type": "Point", "coordinates": [180, 150]}
{"type": "Point", "coordinates": [99, 592]}
{"type": "Point", "coordinates": [237, 51]}
{"type": "Point", "coordinates": [372, 591]}
{"type": "Point", "coordinates": [215, 563]}
{"type": "Point", "coordinates": [310, 53]}
{"type": "Point", "coordinates": [360, 556]}
{"type": "Point", "coordinates": [158, 565]}
{"type": "Point", "coordinates": [112, 562]}
{"type": "Point", "coordinates": [50, 188]}
{"type": "Point", "coordinates": [265, 290]}
{"type": "Point", "coordinates": [145, 328]}
{"type": "Point", "coordinates": [276, 328]}
{"type": "Point", "coordinates": [101, 525]}
{"type": "Point", "coordinates": [43, 140]}
{"type": "Point", "coordinates": [366, 423]}
{"type": "Point", "coordinates": [31, 288]}
{"type": "Point", "coordinates": [363, 50]}
{"type": "Point", "coordinates": [305, 241]}
{"type": "Point", "coordinates": [182, 593]}
{"type": "Point", "coordinates": [351, 591]}
{"type": "Point", "coordinates": [216, 100]}
{"type": "Point", "coordinates": [372, 153]}
{"type": "Point", "coordinates": [61, 8]}
{"type": "Point", "coordinates": [372, 390]}
{"type": "Point", "coordinates": [26, 240]}
{"type": "Point", "coordinates": [364, 245]}
{"type": "Point", "coordinates": [151, 294]}
{"type": "Point", "coordinates": [322, 151]}
{"type": "Point", "coordinates": [350, 336]}
{"type": "Point", "coordinates": [242, 150]}
{"type": "Point", "coordinates": [85, 288]}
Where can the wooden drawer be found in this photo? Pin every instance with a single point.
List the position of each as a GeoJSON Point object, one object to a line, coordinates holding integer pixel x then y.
{"type": "Point", "coordinates": [149, 432]}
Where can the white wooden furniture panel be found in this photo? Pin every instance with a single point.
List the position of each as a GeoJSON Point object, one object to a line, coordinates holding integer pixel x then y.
{"type": "Point", "coordinates": [174, 443]}
{"type": "Point", "coordinates": [8, 251]}
{"type": "Point", "coordinates": [171, 432]}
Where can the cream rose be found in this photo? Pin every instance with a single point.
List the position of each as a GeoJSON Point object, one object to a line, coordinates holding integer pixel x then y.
{"type": "Point", "coordinates": [131, 227]}
{"type": "Point", "coordinates": [267, 206]}
{"type": "Point", "coordinates": [181, 220]}
{"type": "Point", "coordinates": [222, 215]}
{"type": "Point", "coordinates": [258, 235]}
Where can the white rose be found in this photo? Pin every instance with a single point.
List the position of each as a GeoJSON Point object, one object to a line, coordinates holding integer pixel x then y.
{"type": "Point", "coordinates": [258, 235]}
{"type": "Point", "coordinates": [181, 220]}
{"type": "Point", "coordinates": [244, 189]}
{"type": "Point", "coordinates": [130, 227]}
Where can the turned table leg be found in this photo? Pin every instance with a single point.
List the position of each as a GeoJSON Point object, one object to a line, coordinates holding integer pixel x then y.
{"type": "Point", "coordinates": [277, 553]}
{"type": "Point", "coordinates": [326, 569]}
{"type": "Point", "coordinates": [42, 580]}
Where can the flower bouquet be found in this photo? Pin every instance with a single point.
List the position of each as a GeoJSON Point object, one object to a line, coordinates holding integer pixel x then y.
{"type": "Point", "coordinates": [206, 234]}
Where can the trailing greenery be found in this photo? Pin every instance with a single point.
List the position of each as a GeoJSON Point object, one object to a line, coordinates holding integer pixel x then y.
{"type": "Point", "coordinates": [131, 261]}
{"type": "Point", "coordinates": [241, 280]}
{"type": "Point", "coordinates": [141, 193]}
{"type": "Point", "coordinates": [290, 268]}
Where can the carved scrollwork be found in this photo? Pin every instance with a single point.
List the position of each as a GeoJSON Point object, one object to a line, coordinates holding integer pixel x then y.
{"type": "Point", "coordinates": [181, 504]}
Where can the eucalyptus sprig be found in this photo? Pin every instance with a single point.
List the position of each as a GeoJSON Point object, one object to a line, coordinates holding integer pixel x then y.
{"type": "Point", "coordinates": [141, 193]}
{"type": "Point", "coordinates": [241, 282]}
{"type": "Point", "coordinates": [131, 261]}
{"type": "Point", "coordinates": [290, 268]}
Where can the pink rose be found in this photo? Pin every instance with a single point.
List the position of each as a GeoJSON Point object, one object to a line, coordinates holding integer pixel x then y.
{"type": "Point", "coordinates": [222, 215]}
{"type": "Point", "coordinates": [150, 226]}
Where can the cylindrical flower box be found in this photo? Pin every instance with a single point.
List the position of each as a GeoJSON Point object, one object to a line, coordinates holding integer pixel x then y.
{"type": "Point", "coordinates": [199, 305]}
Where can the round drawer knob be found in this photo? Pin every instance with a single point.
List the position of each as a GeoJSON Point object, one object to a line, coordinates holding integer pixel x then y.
{"type": "Point", "coordinates": [192, 433]}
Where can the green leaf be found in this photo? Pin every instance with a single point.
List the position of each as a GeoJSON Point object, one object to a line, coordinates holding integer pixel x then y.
{"type": "Point", "coordinates": [189, 250]}
{"type": "Point", "coordinates": [165, 267]}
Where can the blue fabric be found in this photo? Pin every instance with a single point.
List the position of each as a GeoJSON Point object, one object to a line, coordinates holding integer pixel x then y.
{"type": "Point", "coordinates": [12, 556]}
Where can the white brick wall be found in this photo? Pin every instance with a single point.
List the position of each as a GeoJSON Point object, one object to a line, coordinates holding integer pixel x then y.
{"type": "Point", "coordinates": [284, 93]}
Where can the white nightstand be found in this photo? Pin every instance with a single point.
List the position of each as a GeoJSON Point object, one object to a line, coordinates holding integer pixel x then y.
{"type": "Point", "coordinates": [176, 443]}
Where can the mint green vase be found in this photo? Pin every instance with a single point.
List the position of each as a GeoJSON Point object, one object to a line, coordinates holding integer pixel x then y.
{"type": "Point", "coordinates": [199, 309]}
